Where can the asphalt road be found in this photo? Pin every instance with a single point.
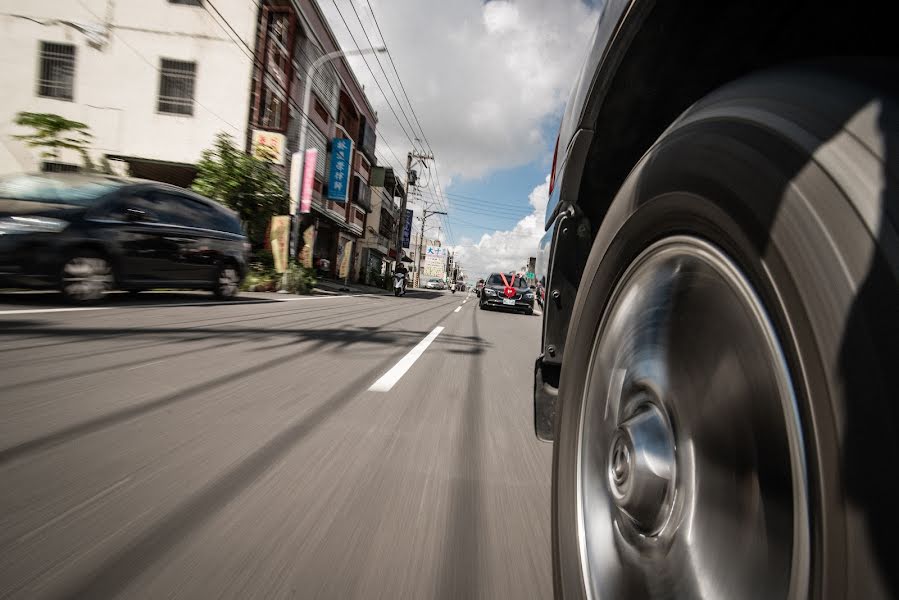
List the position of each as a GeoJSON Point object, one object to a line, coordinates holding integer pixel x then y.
{"type": "Point", "coordinates": [172, 447]}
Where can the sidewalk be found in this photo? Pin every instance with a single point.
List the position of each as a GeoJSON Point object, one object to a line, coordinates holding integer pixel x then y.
{"type": "Point", "coordinates": [332, 286]}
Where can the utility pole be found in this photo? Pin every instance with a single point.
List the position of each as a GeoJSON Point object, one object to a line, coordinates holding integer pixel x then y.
{"type": "Point", "coordinates": [410, 181]}
{"type": "Point", "coordinates": [421, 240]}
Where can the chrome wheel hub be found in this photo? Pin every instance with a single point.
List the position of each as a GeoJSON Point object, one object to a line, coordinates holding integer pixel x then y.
{"type": "Point", "coordinates": [86, 277]}
{"type": "Point", "coordinates": [691, 469]}
{"type": "Point", "coordinates": [641, 468]}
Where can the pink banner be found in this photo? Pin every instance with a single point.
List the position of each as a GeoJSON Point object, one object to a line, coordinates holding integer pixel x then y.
{"type": "Point", "coordinates": [308, 179]}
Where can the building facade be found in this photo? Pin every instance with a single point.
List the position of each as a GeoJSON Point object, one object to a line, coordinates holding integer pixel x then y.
{"type": "Point", "coordinates": [378, 248]}
{"type": "Point", "coordinates": [155, 80]}
{"type": "Point", "coordinates": [290, 36]}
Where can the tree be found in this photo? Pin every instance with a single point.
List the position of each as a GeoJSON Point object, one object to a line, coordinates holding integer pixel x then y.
{"type": "Point", "coordinates": [54, 133]}
{"type": "Point", "coordinates": [244, 183]}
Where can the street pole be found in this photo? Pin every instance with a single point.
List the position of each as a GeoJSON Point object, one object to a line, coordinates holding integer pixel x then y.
{"type": "Point", "coordinates": [402, 219]}
{"type": "Point", "coordinates": [300, 155]}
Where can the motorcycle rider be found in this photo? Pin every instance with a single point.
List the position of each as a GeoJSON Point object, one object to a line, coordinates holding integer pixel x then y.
{"type": "Point", "coordinates": [401, 268]}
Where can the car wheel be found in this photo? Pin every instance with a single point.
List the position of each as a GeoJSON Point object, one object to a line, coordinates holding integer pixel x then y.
{"type": "Point", "coordinates": [227, 282]}
{"type": "Point", "coordinates": [726, 427]}
{"type": "Point", "coordinates": [86, 276]}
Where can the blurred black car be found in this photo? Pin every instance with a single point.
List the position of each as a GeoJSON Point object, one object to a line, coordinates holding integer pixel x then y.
{"type": "Point", "coordinates": [493, 294]}
{"type": "Point", "coordinates": [86, 234]}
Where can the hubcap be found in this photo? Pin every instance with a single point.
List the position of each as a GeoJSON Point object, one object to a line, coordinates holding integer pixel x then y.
{"type": "Point", "coordinates": [228, 282]}
{"type": "Point", "coordinates": [691, 470]}
{"type": "Point", "coordinates": [641, 468]}
{"type": "Point", "coordinates": [86, 277]}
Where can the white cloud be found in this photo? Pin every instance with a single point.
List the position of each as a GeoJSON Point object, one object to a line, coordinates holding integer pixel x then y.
{"type": "Point", "coordinates": [507, 250]}
{"type": "Point", "coordinates": [483, 77]}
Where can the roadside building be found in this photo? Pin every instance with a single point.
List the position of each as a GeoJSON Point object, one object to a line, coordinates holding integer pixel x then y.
{"type": "Point", "coordinates": [154, 81]}
{"type": "Point", "coordinates": [379, 251]}
{"type": "Point", "coordinates": [290, 36]}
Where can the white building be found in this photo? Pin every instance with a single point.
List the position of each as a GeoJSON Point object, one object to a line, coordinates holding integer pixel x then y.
{"type": "Point", "coordinates": [155, 80]}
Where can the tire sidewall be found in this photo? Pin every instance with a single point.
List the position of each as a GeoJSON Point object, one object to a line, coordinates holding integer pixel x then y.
{"type": "Point", "coordinates": [738, 223]}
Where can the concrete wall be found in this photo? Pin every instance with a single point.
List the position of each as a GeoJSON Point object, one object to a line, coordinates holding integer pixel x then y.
{"type": "Point", "coordinates": [117, 83]}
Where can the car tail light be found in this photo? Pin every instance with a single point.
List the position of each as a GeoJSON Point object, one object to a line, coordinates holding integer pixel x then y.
{"type": "Point", "coordinates": [552, 174]}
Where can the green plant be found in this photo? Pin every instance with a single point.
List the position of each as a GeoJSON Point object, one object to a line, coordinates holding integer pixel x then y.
{"type": "Point", "coordinates": [246, 184]}
{"type": "Point", "coordinates": [53, 133]}
{"type": "Point", "coordinates": [300, 280]}
{"type": "Point", "coordinates": [263, 260]}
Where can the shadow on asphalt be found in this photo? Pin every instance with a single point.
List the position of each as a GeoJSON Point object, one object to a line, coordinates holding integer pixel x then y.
{"type": "Point", "coordinates": [56, 300]}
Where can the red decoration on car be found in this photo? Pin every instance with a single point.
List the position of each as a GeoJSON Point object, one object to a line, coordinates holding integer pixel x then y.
{"type": "Point", "coordinates": [508, 290]}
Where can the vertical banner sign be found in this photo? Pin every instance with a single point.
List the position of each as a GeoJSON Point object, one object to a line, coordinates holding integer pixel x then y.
{"type": "Point", "coordinates": [296, 161]}
{"type": "Point", "coordinates": [339, 174]}
{"type": "Point", "coordinates": [308, 179]}
{"type": "Point", "coordinates": [344, 271]}
{"type": "Point", "coordinates": [308, 241]}
{"type": "Point", "coordinates": [407, 228]}
{"type": "Point", "coordinates": [278, 236]}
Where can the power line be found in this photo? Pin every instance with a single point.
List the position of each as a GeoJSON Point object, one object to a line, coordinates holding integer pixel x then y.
{"type": "Point", "coordinates": [364, 60]}
{"type": "Point", "coordinates": [378, 60]}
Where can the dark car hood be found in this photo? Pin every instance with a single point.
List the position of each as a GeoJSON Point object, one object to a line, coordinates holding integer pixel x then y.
{"type": "Point", "coordinates": [9, 208]}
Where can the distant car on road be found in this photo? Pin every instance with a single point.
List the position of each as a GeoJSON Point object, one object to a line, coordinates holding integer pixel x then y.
{"type": "Point", "coordinates": [435, 284]}
{"type": "Point", "coordinates": [494, 294]}
{"type": "Point", "coordinates": [478, 287]}
{"type": "Point", "coordinates": [86, 234]}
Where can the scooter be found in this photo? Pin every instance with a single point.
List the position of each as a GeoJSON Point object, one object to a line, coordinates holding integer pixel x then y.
{"type": "Point", "coordinates": [398, 280]}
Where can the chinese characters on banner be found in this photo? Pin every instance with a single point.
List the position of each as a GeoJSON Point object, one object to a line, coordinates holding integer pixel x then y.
{"type": "Point", "coordinates": [339, 174]}
{"type": "Point", "coordinates": [407, 228]}
{"type": "Point", "coordinates": [308, 180]}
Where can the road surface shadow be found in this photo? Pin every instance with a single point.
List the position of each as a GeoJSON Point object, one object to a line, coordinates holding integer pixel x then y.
{"type": "Point", "coordinates": [322, 339]}
{"type": "Point", "coordinates": [56, 300]}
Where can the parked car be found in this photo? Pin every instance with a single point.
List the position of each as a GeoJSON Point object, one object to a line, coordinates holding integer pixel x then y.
{"type": "Point", "coordinates": [86, 234]}
{"type": "Point", "coordinates": [721, 330]}
{"type": "Point", "coordinates": [435, 284]}
{"type": "Point", "coordinates": [478, 287]}
{"type": "Point", "coordinates": [516, 296]}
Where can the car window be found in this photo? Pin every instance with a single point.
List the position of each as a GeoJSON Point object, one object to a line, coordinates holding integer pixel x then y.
{"type": "Point", "coordinates": [514, 280]}
{"type": "Point", "coordinates": [178, 210]}
{"type": "Point", "coordinates": [141, 201]}
{"type": "Point", "coordinates": [34, 188]}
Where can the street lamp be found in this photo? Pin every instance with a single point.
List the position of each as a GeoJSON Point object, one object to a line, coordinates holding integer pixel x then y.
{"type": "Point", "coordinates": [296, 167]}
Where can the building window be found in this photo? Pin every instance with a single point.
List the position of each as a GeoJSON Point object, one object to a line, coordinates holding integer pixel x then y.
{"type": "Point", "coordinates": [57, 75]}
{"type": "Point", "coordinates": [187, 2]}
{"type": "Point", "coordinates": [176, 87]}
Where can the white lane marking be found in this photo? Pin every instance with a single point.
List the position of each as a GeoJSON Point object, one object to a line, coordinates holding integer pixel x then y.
{"type": "Point", "coordinates": [74, 509]}
{"type": "Point", "coordinates": [389, 379]}
{"type": "Point", "coordinates": [458, 308]}
{"type": "Point", "coordinates": [28, 311]}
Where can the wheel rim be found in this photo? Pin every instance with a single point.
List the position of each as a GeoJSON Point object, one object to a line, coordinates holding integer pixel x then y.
{"type": "Point", "coordinates": [691, 470]}
{"type": "Point", "coordinates": [228, 281]}
{"type": "Point", "coordinates": [86, 277]}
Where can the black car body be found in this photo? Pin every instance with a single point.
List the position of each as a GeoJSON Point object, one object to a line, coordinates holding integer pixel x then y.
{"type": "Point", "coordinates": [149, 234]}
{"type": "Point", "coordinates": [493, 294]}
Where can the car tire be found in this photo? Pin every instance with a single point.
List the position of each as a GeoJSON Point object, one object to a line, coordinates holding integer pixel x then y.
{"type": "Point", "coordinates": [226, 284]}
{"type": "Point", "coordinates": [86, 276]}
{"type": "Point", "coordinates": [740, 301]}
